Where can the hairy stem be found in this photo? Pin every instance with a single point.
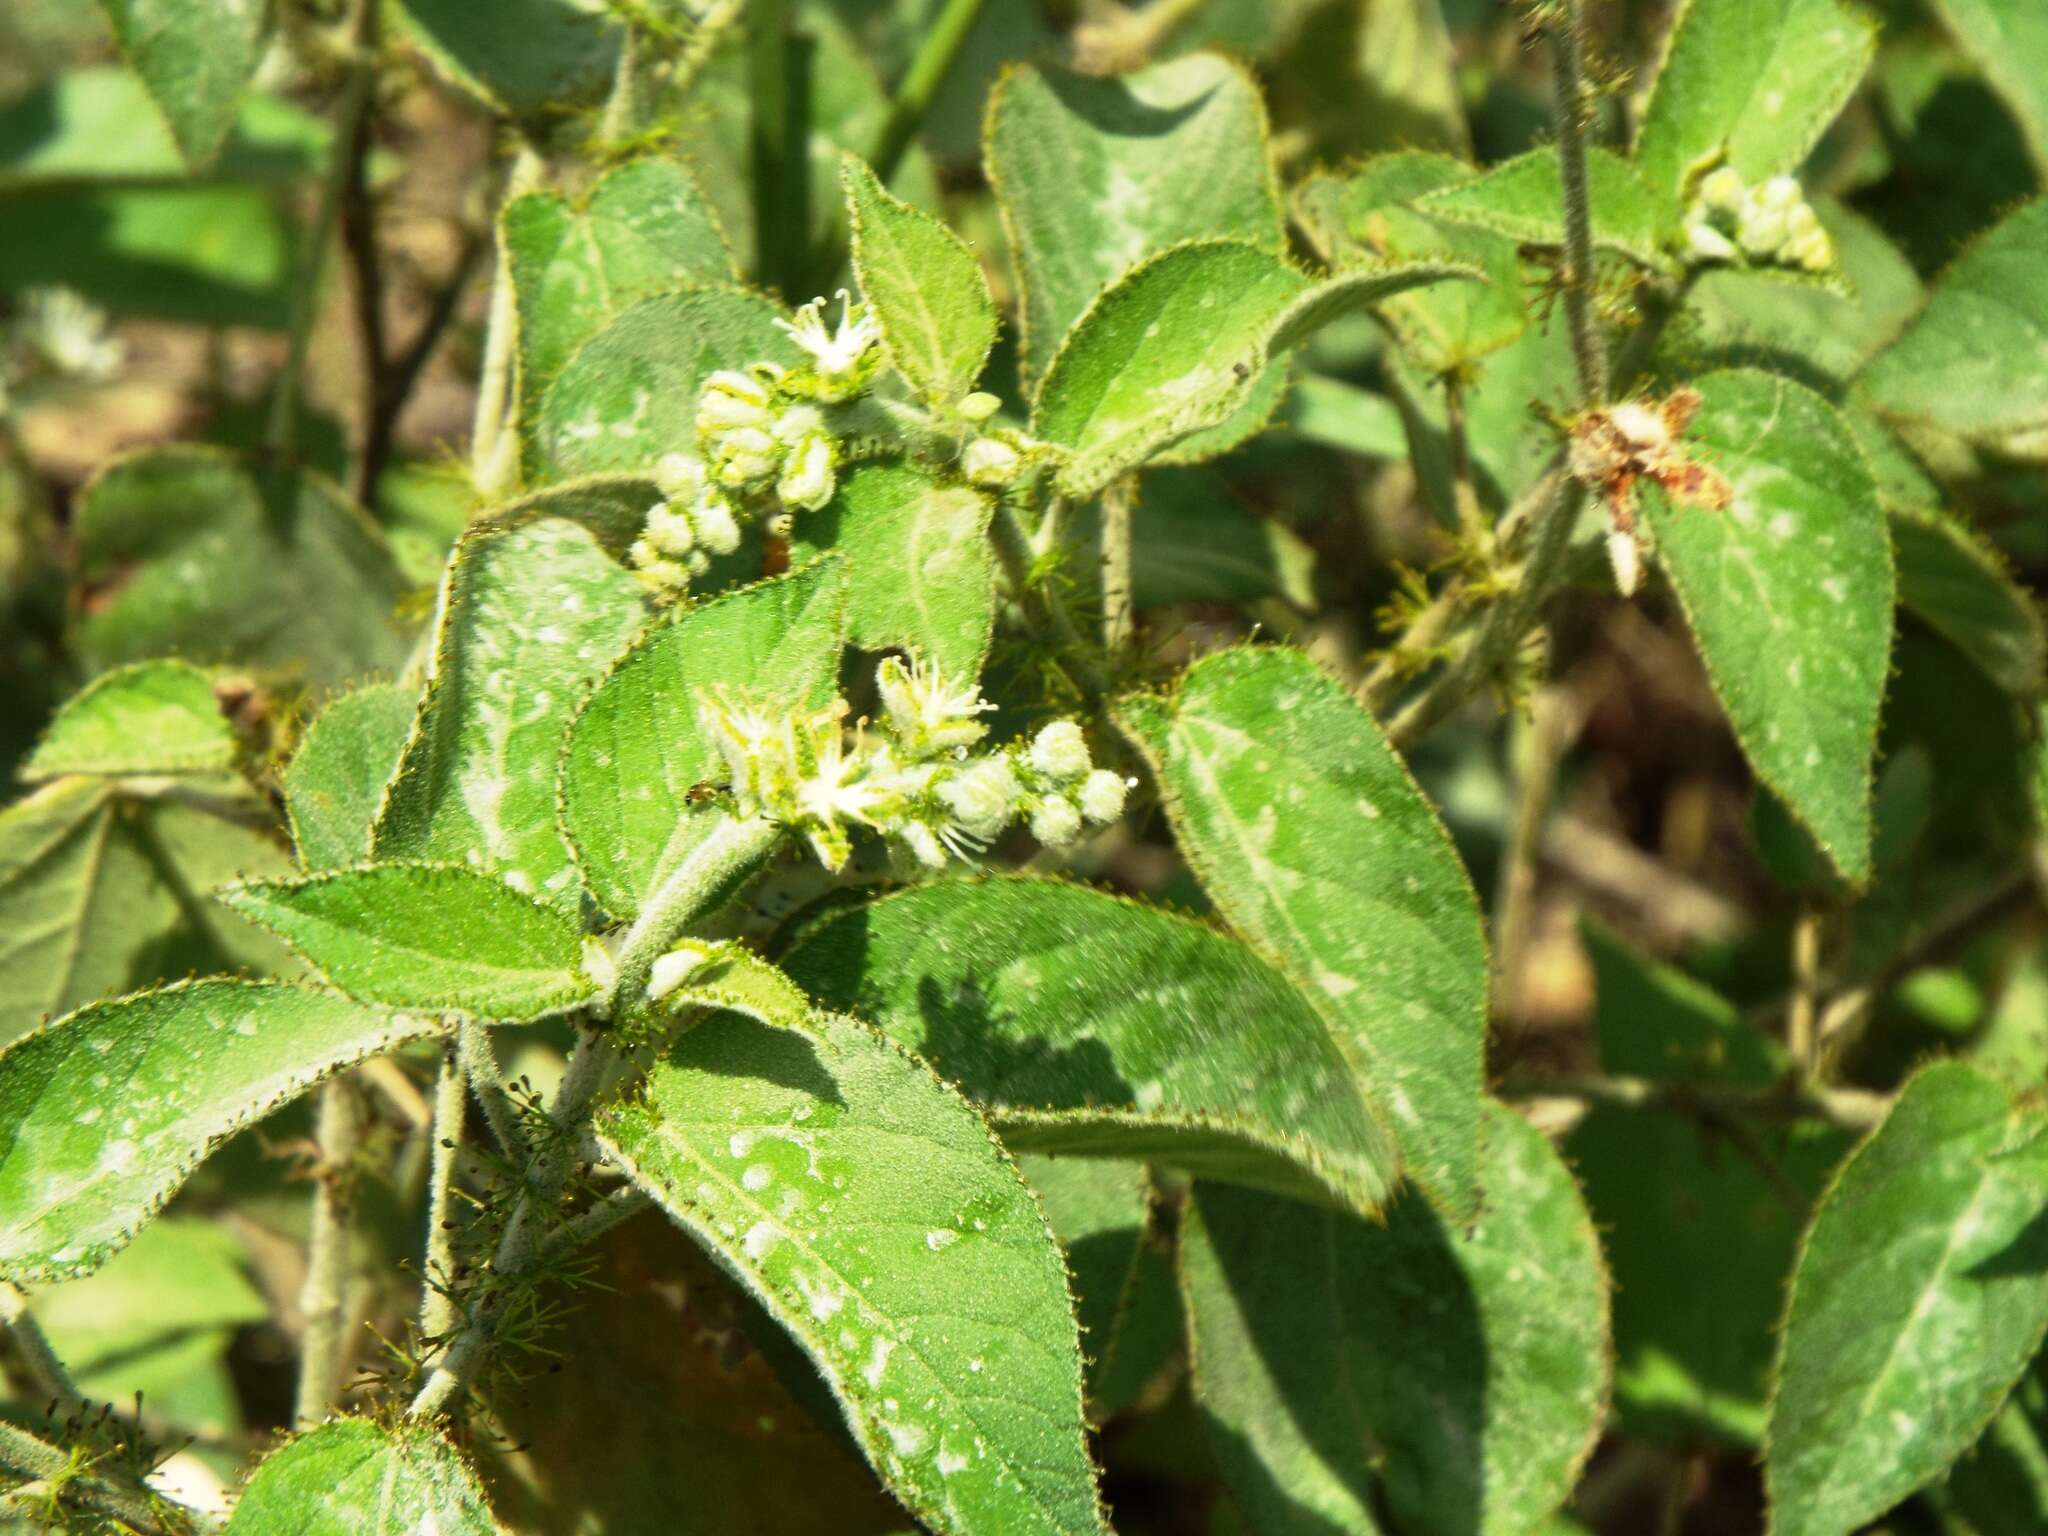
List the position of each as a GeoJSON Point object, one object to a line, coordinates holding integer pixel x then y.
{"type": "Point", "coordinates": [703, 43]}
{"type": "Point", "coordinates": [323, 1300]}
{"type": "Point", "coordinates": [479, 1057]}
{"type": "Point", "coordinates": [1569, 110]}
{"type": "Point", "coordinates": [493, 446]}
{"type": "Point", "coordinates": [437, 1306]}
{"type": "Point", "coordinates": [1117, 618]}
{"type": "Point", "coordinates": [943, 39]}
{"type": "Point", "coordinates": [1541, 749]}
{"type": "Point", "coordinates": [1800, 1016]}
{"type": "Point", "coordinates": [63, 1482]}
{"type": "Point", "coordinates": [709, 877]}
{"type": "Point", "coordinates": [1043, 608]}
{"type": "Point", "coordinates": [52, 1383]}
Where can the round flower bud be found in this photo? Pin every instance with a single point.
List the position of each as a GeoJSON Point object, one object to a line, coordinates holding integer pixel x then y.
{"type": "Point", "coordinates": [991, 462]}
{"type": "Point", "coordinates": [717, 529]}
{"type": "Point", "coordinates": [1102, 796]}
{"type": "Point", "coordinates": [1812, 250]}
{"type": "Point", "coordinates": [1722, 190]}
{"type": "Point", "coordinates": [731, 400]}
{"type": "Point", "coordinates": [982, 796]}
{"type": "Point", "coordinates": [979, 406]}
{"type": "Point", "coordinates": [808, 478]}
{"type": "Point", "coordinates": [796, 423]}
{"type": "Point", "coordinates": [1705, 243]}
{"type": "Point", "coordinates": [669, 530]}
{"type": "Point", "coordinates": [1055, 822]}
{"type": "Point", "coordinates": [1780, 192]}
{"type": "Point", "coordinates": [747, 455]}
{"type": "Point", "coordinates": [1060, 751]}
{"type": "Point", "coordinates": [680, 476]}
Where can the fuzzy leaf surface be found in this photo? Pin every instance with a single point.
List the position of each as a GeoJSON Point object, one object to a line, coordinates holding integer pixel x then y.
{"type": "Point", "coordinates": [426, 936]}
{"type": "Point", "coordinates": [1920, 1296]}
{"type": "Point", "coordinates": [107, 1110]}
{"type": "Point", "coordinates": [1754, 81]}
{"type": "Point", "coordinates": [1098, 1027]}
{"type": "Point", "coordinates": [350, 1477]}
{"type": "Point", "coordinates": [1308, 833]}
{"type": "Point", "coordinates": [636, 749]}
{"type": "Point", "coordinates": [530, 617]}
{"type": "Point", "coordinates": [918, 565]}
{"type": "Point", "coordinates": [1957, 584]}
{"type": "Point", "coordinates": [335, 781]}
{"type": "Point", "coordinates": [924, 286]}
{"type": "Point", "coordinates": [1475, 1361]}
{"type": "Point", "coordinates": [195, 58]}
{"type": "Point", "coordinates": [155, 717]}
{"type": "Point", "coordinates": [1789, 594]}
{"type": "Point", "coordinates": [531, 59]}
{"type": "Point", "coordinates": [874, 1215]}
{"type": "Point", "coordinates": [1096, 174]}
{"type": "Point", "coordinates": [1523, 199]}
{"type": "Point", "coordinates": [2009, 41]}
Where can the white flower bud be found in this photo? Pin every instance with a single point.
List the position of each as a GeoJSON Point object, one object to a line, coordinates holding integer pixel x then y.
{"type": "Point", "coordinates": [1704, 243]}
{"type": "Point", "coordinates": [808, 476]}
{"type": "Point", "coordinates": [669, 530]}
{"type": "Point", "coordinates": [991, 462]}
{"type": "Point", "coordinates": [1626, 556]}
{"type": "Point", "coordinates": [796, 423]}
{"type": "Point", "coordinates": [1813, 251]}
{"type": "Point", "coordinates": [747, 456]}
{"type": "Point", "coordinates": [982, 796]}
{"type": "Point", "coordinates": [1102, 796]}
{"type": "Point", "coordinates": [924, 844]}
{"type": "Point", "coordinates": [717, 528]}
{"type": "Point", "coordinates": [680, 476]}
{"type": "Point", "coordinates": [1060, 751]}
{"type": "Point", "coordinates": [979, 406]}
{"type": "Point", "coordinates": [1055, 822]}
{"type": "Point", "coordinates": [1780, 192]}
{"type": "Point", "coordinates": [731, 400]}
{"type": "Point", "coordinates": [1722, 190]}
{"type": "Point", "coordinates": [673, 969]}
{"type": "Point", "coordinates": [598, 964]}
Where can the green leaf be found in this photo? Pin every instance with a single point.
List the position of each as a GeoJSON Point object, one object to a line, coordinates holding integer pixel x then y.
{"type": "Point", "coordinates": [105, 1112]}
{"type": "Point", "coordinates": [335, 781]}
{"type": "Point", "coordinates": [877, 1219]}
{"type": "Point", "coordinates": [351, 1477]}
{"type": "Point", "coordinates": [1097, 1027]}
{"type": "Point", "coordinates": [1751, 84]}
{"type": "Point", "coordinates": [924, 286]}
{"type": "Point", "coordinates": [195, 57]}
{"type": "Point", "coordinates": [1971, 362]}
{"type": "Point", "coordinates": [644, 229]}
{"type": "Point", "coordinates": [156, 717]}
{"type": "Point", "coordinates": [1523, 199]}
{"type": "Point", "coordinates": [1789, 595]}
{"type": "Point", "coordinates": [426, 936]}
{"type": "Point", "coordinates": [1194, 541]}
{"type": "Point", "coordinates": [1095, 174]}
{"type": "Point", "coordinates": [1313, 841]}
{"type": "Point", "coordinates": [636, 749]}
{"type": "Point", "coordinates": [1178, 345]}
{"type": "Point", "coordinates": [1463, 1370]}
{"type": "Point", "coordinates": [1364, 217]}
{"type": "Point", "coordinates": [2008, 39]}
{"type": "Point", "coordinates": [103, 892]}
{"type": "Point", "coordinates": [612, 507]}
{"type": "Point", "coordinates": [532, 59]}
{"type": "Point", "coordinates": [918, 564]}
{"type": "Point", "coordinates": [629, 394]}
{"type": "Point", "coordinates": [1920, 1296]}
{"type": "Point", "coordinates": [2001, 1486]}
{"type": "Point", "coordinates": [530, 618]}
{"type": "Point", "coordinates": [1957, 584]}
{"type": "Point", "coordinates": [199, 554]}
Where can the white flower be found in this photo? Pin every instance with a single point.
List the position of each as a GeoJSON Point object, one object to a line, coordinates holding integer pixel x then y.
{"type": "Point", "coordinates": [70, 334]}
{"type": "Point", "coordinates": [991, 462]}
{"type": "Point", "coordinates": [809, 476]}
{"type": "Point", "coordinates": [1102, 795]}
{"type": "Point", "coordinates": [1060, 751]}
{"type": "Point", "coordinates": [680, 476]}
{"type": "Point", "coordinates": [982, 797]}
{"type": "Point", "coordinates": [926, 714]}
{"type": "Point", "coordinates": [923, 844]}
{"type": "Point", "coordinates": [673, 969]}
{"type": "Point", "coordinates": [1780, 192]}
{"type": "Point", "coordinates": [1055, 822]}
{"type": "Point", "coordinates": [839, 357]}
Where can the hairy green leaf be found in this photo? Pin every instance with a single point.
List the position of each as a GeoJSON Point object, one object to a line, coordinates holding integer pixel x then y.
{"type": "Point", "coordinates": [1523, 199]}
{"type": "Point", "coordinates": [1752, 83]}
{"type": "Point", "coordinates": [1957, 584]}
{"type": "Point", "coordinates": [105, 1112]}
{"type": "Point", "coordinates": [220, 561]}
{"type": "Point", "coordinates": [1313, 841]}
{"type": "Point", "coordinates": [629, 394]}
{"type": "Point", "coordinates": [644, 229]}
{"type": "Point", "coordinates": [924, 285]}
{"type": "Point", "coordinates": [532, 59]}
{"type": "Point", "coordinates": [1095, 174]}
{"type": "Point", "coordinates": [1971, 362]}
{"type": "Point", "coordinates": [195, 57]}
{"type": "Point", "coordinates": [351, 1477]}
{"type": "Point", "coordinates": [1464, 1371]}
{"type": "Point", "coordinates": [1920, 1296]}
{"type": "Point", "coordinates": [426, 936]}
{"type": "Point", "coordinates": [2001, 1486]}
{"type": "Point", "coordinates": [530, 617]}
{"type": "Point", "coordinates": [335, 781]}
{"type": "Point", "coordinates": [1789, 594]}
{"type": "Point", "coordinates": [1194, 541]}
{"type": "Point", "coordinates": [155, 717]}
{"type": "Point", "coordinates": [1094, 1026]}
{"type": "Point", "coordinates": [2009, 41]}
{"type": "Point", "coordinates": [875, 1216]}
{"type": "Point", "coordinates": [918, 566]}
{"type": "Point", "coordinates": [636, 749]}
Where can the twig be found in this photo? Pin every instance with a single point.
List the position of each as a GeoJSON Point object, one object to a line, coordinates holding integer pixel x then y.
{"type": "Point", "coordinates": [391, 387]}
{"type": "Point", "coordinates": [1117, 618]}
{"type": "Point", "coordinates": [620, 1206]}
{"type": "Point", "coordinates": [437, 1306]}
{"type": "Point", "coordinates": [323, 1300]}
{"type": "Point", "coordinates": [1850, 1108]}
{"type": "Point", "coordinates": [1569, 114]}
{"type": "Point", "coordinates": [479, 1058]}
{"type": "Point", "coordinates": [1458, 442]}
{"type": "Point", "coordinates": [943, 39]}
{"type": "Point", "coordinates": [1553, 721]}
{"type": "Point", "coordinates": [140, 1509]}
{"type": "Point", "coordinates": [1799, 1017]}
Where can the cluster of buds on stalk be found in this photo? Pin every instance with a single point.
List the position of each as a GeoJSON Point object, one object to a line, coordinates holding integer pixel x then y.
{"type": "Point", "coordinates": [1771, 224]}
{"type": "Point", "coordinates": [917, 777]}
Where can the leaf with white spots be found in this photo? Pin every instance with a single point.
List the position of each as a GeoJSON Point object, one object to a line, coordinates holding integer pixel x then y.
{"type": "Point", "coordinates": [1095, 174]}
{"type": "Point", "coordinates": [150, 718]}
{"type": "Point", "coordinates": [105, 1112]}
{"type": "Point", "coordinates": [1750, 82]}
{"type": "Point", "coordinates": [335, 781]}
{"type": "Point", "coordinates": [530, 617]}
{"type": "Point", "coordinates": [1313, 841]}
{"type": "Point", "coordinates": [195, 58]}
{"type": "Point", "coordinates": [426, 936]}
{"type": "Point", "coordinates": [877, 1219]}
{"type": "Point", "coordinates": [1789, 594]}
{"type": "Point", "coordinates": [920, 573]}
{"type": "Point", "coordinates": [1920, 1295]}
{"type": "Point", "coordinates": [1091, 1026]}
{"type": "Point", "coordinates": [351, 1477]}
{"type": "Point", "coordinates": [636, 749]}
{"type": "Point", "coordinates": [1458, 1374]}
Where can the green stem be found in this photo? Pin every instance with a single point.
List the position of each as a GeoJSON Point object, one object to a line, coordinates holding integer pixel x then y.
{"type": "Point", "coordinates": [53, 1384]}
{"type": "Point", "coordinates": [493, 447]}
{"type": "Point", "coordinates": [1118, 622]}
{"type": "Point", "coordinates": [697, 52]}
{"type": "Point", "coordinates": [487, 1081]}
{"type": "Point", "coordinates": [936, 53]}
{"type": "Point", "coordinates": [1043, 607]}
{"type": "Point", "coordinates": [323, 1299]}
{"type": "Point", "coordinates": [35, 1457]}
{"type": "Point", "coordinates": [1800, 1017]}
{"type": "Point", "coordinates": [351, 138]}
{"type": "Point", "coordinates": [437, 1306]}
{"type": "Point", "coordinates": [1568, 107]}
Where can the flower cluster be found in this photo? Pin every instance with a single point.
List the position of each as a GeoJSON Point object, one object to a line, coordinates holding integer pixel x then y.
{"type": "Point", "coordinates": [1771, 224]}
{"type": "Point", "coordinates": [915, 778]}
